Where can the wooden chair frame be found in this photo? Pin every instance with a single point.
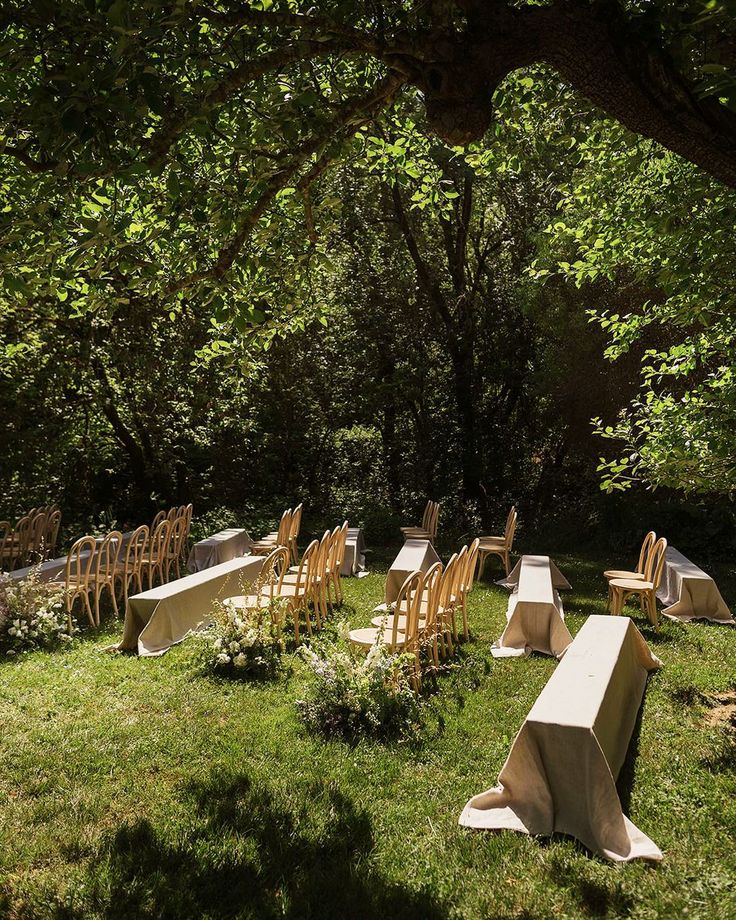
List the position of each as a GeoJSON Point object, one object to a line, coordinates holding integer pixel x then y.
{"type": "Point", "coordinates": [499, 546]}
{"type": "Point", "coordinates": [131, 570]}
{"type": "Point", "coordinates": [103, 574]}
{"type": "Point", "coordinates": [646, 588]}
{"type": "Point", "coordinates": [154, 556]}
{"type": "Point", "coordinates": [77, 574]}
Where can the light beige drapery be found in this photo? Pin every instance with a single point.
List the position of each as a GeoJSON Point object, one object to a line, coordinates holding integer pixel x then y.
{"type": "Point", "coordinates": [560, 775]}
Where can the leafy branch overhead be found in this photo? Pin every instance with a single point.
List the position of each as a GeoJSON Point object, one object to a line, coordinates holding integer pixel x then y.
{"type": "Point", "coordinates": [203, 111]}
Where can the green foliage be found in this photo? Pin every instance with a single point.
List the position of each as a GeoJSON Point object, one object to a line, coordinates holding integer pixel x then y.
{"type": "Point", "coordinates": [353, 694]}
{"type": "Point", "coordinates": [243, 643]}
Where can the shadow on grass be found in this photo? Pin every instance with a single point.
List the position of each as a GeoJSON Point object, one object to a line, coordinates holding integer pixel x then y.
{"type": "Point", "coordinates": [595, 899]}
{"type": "Point", "coordinates": [245, 854]}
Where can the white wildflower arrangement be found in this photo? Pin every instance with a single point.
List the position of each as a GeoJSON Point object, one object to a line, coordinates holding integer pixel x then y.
{"type": "Point", "coordinates": [355, 694]}
{"type": "Point", "coordinates": [244, 643]}
{"type": "Point", "coordinates": [32, 615]}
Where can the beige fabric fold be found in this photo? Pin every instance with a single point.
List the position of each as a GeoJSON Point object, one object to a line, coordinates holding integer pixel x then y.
{"type": "Point", "coordinates": [220, 547]}
{"type": "Point", "coordinates": [157, 619]}
{"type": "Point", "coordinates": [414, 554]}
{"type": "Point", "coordinates": [559, 582]}
{"type": "Point", "coordinates": [536, 619]}
{"type": "Point", "coordinates": [688, 593]}
{"type": "Point", "coordinates": [354, 559]}
{"type": "Point", "coordinates": [560, 775]}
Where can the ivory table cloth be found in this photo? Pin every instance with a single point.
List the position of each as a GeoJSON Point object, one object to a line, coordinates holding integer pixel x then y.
{"type": "Point", "coordinates": [414, 554]}
{"type": "Point", "coordinates": [157, 619]}
{"type": "Point", "coordinates": [688, 593]}
{"type": "Point", "coordinates": [354, 560]}
{"type": "Point", "coordinates": [51, 570]}
{"type": "Point", "coordinates": [560, 775]}
{"type": "Point", "coordinates": [536, 620]}
{"type": "Point", "coordinates": [220, 547]}
{"type": "Point", "coordinates": [55, 569]}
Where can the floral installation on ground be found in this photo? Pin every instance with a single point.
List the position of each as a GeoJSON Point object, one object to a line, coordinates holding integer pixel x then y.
{"type": "Point", "coordinates": [32, 615]}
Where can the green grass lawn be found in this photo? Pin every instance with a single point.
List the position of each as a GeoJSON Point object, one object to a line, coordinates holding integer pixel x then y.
{"type": "Point", "coordinates": [137, 787]}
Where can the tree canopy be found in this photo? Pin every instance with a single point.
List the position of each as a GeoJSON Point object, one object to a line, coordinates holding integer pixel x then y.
{"type": "Point", "coordinates": [183, 184]}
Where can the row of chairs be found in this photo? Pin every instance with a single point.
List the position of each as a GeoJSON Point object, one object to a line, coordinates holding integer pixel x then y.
{"type": "Point", "coordinates": [424, 618]}
{"type": "Point", "coordinates": [31, 540]}
{"type": "Point", "coordinates": [643, 582]}
{"type": "Point", "coordinates": [308, 589]}
{"type": "Point", "coordinates": [121, 565]}
{"type": "Point", "coordinates": [427, 530]}
{"type": "Point", "coordinates": [286, 535]}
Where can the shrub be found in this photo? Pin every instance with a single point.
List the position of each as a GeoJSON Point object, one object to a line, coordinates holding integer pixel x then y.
{"type": "Point", "coordinates": [32, 615]}
{"type": "Point", "coordinates": [356, 694]}
{"type": "Point", "coordinates": [244, 643]}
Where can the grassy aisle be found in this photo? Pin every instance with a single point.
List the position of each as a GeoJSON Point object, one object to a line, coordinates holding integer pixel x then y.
{"type": "Point", "coordinates": [133, 788]}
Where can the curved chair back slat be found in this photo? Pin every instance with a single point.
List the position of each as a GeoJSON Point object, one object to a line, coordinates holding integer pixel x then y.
{"type": "Point", "coordinates": [409, 599]}
{"type": "Point", "coordinates": [655, 563]}
{"type": "Point", "coordinates": [77, 573]}
{"type": "Point", "coordinates": [53, 523]}
{"type": "Point", "coordinates": [646, 547]}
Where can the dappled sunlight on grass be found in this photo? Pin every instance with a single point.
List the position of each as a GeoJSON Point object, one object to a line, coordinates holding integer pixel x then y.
{"type": "Point", "coordinates": [137, 787]}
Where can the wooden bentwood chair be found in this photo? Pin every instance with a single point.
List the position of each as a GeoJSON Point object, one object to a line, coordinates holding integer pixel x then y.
{"type": "Point", "coordinates": [646, 589]}
{"type": "Point", "coordinates": [427, 530]}
{"type": "Point", "coordinates": [77, 574]}
{"type": "Point", "coordinates": [398, 640]}
{"type": "Point", "coordinates": [499, 546]}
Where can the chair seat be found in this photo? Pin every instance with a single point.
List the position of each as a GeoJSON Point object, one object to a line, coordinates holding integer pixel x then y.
{"type": "Point", "coordinates": [292, 578]}
{"type": "Point", "coordinates": [388, 622]}
{"type": "Point", "coordinates": [367, 637]}
{"type": "Point", "coordinates": [489, 542]}
{"type": "Point", "coordinates": [621, 573]}
{"type": "Point", "coordinates": [631, 584]}
{"type": "Point", "coordinates": [416, 533]}
{"type": "Point", "coordinates": [285, 590]}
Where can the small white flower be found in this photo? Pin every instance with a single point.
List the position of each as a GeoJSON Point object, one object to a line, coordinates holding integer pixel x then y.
{"type": "Point", "coordinates": [223, 658]}
{"type": "Point", "coordinates": [234, 648]}
{"type": "Point", "coordinates": [240, 661]}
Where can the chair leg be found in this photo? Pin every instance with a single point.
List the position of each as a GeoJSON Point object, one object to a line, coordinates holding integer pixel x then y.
{"type": "Point", "coordinates": [97, 605]}
{"type": "Point", "coordinates": [88, 607]}
{"type": "Point", "coordinates": [466, 631]}
{"type": "Point", "coordinates": [114, 601]}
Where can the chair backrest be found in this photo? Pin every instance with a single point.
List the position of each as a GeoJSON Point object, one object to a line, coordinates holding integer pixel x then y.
{"type": "Point", "coordinates": [53, 522]}
{"type": "Point", "coordinates": [172, 514]}
{"type": "Point", "coordinates": [470, 563]}
{"type": "Point", "coordinates": [108, 553]}
{"type": "Point", "coordinates": [272, 573]}
{"type": "Point", "coordinates": [342, 539]}
{"type": "Point", "coordinates": [284, 528]}
{"type": "Point", "coordinates": [23, 535]}
{"type": "Point", "coordinates": [409, 599]}
{"type": "Point", "coordinates": [655, 562]}
{"type": "Point", "coordinates": [334, 547]}
{"type": "Point", "coordinates": [160, 540]}
{"type": "Point", "coordinates": [177, 535]}
{"type": "Point", "coordinates": [135, 549]}
{"type": "Point", "coordinates": [306, 570]}
{"type": "Point", "coordinates": [296, 522]}
{"type": "Point", "coordinates": [189, 510]}
{"type": "Point", "coordinates": [79, 564]}
{"type": "Point", "coordinates": [434, 518]}
{"type": "Point", "coordinates": [7, 540]}
{"type": "Point", "coordinates": [510, 529]}
{"type": "Point", "coordinates": [37, 543]}
{"type": "Point", "coordinates": [160, 516]}
{"type": "Point", "coordinates": [322, 558]}
{"type": "Point", "coordinates": [427, 514]}
{"type": "Point", "coordinates": [449, 582]}
{"type": "Point", "coordinates": [432, 591]}
{"type": "Point", "coordinates": [646, 548]}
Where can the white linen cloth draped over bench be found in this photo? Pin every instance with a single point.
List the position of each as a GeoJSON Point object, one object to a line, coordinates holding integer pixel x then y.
{"type": "Point", "coordinates": [560, 775]}
{"type": "Point", "coordinates": [157, 619]}
{"type": "Point", "coordinates": [688, 593]}
{"type": "Point", "coordinates": [413, 555]}
{"type": "Point", "coordinates": [220, 547]}
{"type": "Point", "coordinates": [354, 559]}
{"type": "Point", "coordinates": [536, 620]}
